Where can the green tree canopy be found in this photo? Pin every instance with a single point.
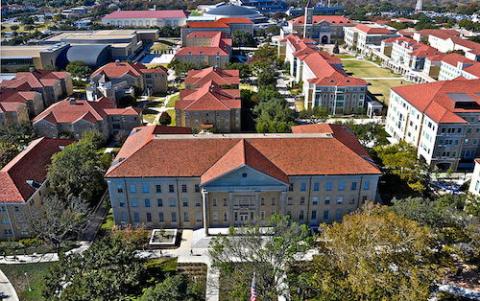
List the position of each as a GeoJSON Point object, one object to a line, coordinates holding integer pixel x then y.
{"type": "Point", "coordinates": [373, 255]}
{"type": "Point", "coordinates": [273, 113]}
{"type": "Point", "coordinates": [78, 69]}
{"type": "Point", "coordinates": [165, 118]}
{"type": "Point", "coordinates": [77, 171]}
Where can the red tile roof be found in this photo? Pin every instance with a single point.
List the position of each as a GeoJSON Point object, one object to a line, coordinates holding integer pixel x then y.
{"type": "Point", "coordinates": [438, 100]}
{"type": "Point", "coordinates": [207, 24]}
{"type": "Point", "coordinates": [218, 76]}
{"type": "Point", "coordinates": [20, 96]}
{"type": "Point", "coordinates": [120, 69]}
{"type": "Point", "coordinates": [320, 155]}
{"type": "Point", "coordinates": [341, 20]}
{"type": "Point", "coordinates": [229, 21]}
{"type": "Point", "coordinates": [37, 79]}
{"type": "Point", "coordinates": [146, 14]}
{"type": "Point", "coordinates": [67, 111]}
{"type": "Point", "coordinates": [11, 106]}
{"type": "Point", "coordinates": [186, 51]}
{"type": "Point", "coordinates": [455, 58]}
{"type": "Point", "coordinates": [473, 70]}
{"type": "Point", "coordinates": [473, 46]}
{"type": "Point", "coordinates": [373, 30]}
{"type": "Point", "coordinates": [218, 44]}
{"type": "Point", "coordinates": [340, 132]}
{"type": "Point", "coordinates": [243, 154]}
{"type": "Point", "coordinates": [328, 75]}
{"type": "Point", "coordinates": [30, 164]}
{"type": "Point", "coordinates": [440, 33]}
{"type": "Point", "coordinates": [209, 97]}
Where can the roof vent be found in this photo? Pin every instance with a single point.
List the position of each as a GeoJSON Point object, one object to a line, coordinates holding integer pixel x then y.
{"type": "Point", "coordinates": [34, 184]}
{"type": "Point", "coordinates": [72, 100]}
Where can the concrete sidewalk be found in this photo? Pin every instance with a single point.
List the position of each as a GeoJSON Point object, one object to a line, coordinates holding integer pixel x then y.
{"type": "Point", "coordinates": [7, 292]}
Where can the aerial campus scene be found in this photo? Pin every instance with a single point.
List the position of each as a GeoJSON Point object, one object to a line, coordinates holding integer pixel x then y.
{"type": "Point", "coordinates": [260, 150]}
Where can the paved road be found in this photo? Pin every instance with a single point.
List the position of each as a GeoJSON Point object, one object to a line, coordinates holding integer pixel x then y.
{"type": "Point", "coordinates": [6, 288]}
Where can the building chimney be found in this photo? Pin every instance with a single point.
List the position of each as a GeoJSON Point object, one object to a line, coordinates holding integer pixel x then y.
{"type": "Point", "coordinates": [71, 100]}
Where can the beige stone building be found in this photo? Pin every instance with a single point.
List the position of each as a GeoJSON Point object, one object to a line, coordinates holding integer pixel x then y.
{"type": "Point", "coordinates": [22, 183]}
{"type": "Point", "coordinates": [316, 175]}
{"type": "Point", "coordinates": [209, 107]}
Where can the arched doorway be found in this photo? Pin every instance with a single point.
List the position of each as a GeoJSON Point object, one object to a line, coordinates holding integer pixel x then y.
{"type": "Point", "coordinates": [324, 40]}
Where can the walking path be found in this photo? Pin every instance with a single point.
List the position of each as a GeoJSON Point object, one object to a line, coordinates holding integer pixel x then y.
{"type": "Point", "coordinates": [7, 292]}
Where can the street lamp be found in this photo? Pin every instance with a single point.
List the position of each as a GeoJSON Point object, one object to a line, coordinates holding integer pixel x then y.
{"type": "Point", "coordinates": [28, 282]}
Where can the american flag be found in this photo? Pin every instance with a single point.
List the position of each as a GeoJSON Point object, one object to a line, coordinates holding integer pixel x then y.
{"type": "Point", "coordinates": [253, 292]}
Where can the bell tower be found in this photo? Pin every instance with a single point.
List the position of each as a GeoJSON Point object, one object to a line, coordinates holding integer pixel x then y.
{"type": "Point", "coordinates": [308, 20]}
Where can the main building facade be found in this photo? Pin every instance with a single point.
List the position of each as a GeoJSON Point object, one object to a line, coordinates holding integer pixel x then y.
{"type": "Point", "coordinates": [192, 181]}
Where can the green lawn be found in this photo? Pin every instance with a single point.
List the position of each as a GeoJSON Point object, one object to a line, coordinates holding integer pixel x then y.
{"type": "Point", "coordinates": [149, 118]}
{"type": "Point", "coordinates": [344, 56]}
{"type": "Point", "coordinates": [172, 115]}
{"type": "Point", "coordinates": [172, 100]}
{"type": "Point", "coordinates": [366, 69]}
{"type": "Point", "coordinates": [35, 273]}
{"type": "Point", "coordinates": [383, 87]}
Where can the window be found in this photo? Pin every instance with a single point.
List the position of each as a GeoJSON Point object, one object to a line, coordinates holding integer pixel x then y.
{"type": "Point", "coordinates": [136, 217]}
{"type": "Point", "coordinates": [160, 217]}
{"type": "Point", "coordinates": [339, 200]}
{"type": "Point", "coordinates": [325, 215]}
{"type": "Point", "coordinates": [171, 188]}
{"type": "Point", "coordinates": [225, 202]}
{"type": "Point", "coordinates": [327, 200]}
{"type": "Point", "coordinates": [198, 203]}
{"type": "Point", "coordinates": [314, 215]}
{"type": "Point", "coordinates": [149, 217]}
{"type": "Point", "coordinates": [225, 217]}
{"type": "Point", "coordinates": [328, 186]}
{"type": "Point", "coordinates": [174, 217]}
{"type": "Point", "coordinates": [159, 203]}
{"type": "Point", "coordinates": [119, 189]}
{"type": "Point", "coordinates": [197, 188]}
{"type": "Point", "coordinates": [173, 203]}
{"type": "Point", "coordinates": [214, 202]}
{"type": "Point", "coordinates": [184, 188]}
{"type": "Point", "coordinates": [121, 204]}
{"type": "Point", "coordinates": [354, 185]}
{"type": "Point", "coordinates": [315, 201]}
{"type": "Point", "coordinates": [341, 186]}
{"type": "Point", "coordinates": [133, 188]}
{"type": "Point", "coordinates": [158, 188]}
{"type": "Point", "coordinates": [290, 187]}
{"type": "Point", "coordinates": [289, 201]}
{"type": "Point", "coordinates": [366, 185]}
{"type": "Point", "coordinates": [215, 216]}
{"type": "Point", "coordinates": [133, 203]}
{"type": "Point", "coordinates": [302, 200]}
{"type": "Point", "coordinates": [186, 217]}
{"type": "Point", "coordinates": [273, 201]}
{"type": "Point", "coordinates": [145, 188]}
{"type": "Point", "coordinates": [303, 187]}
{"type": "Point", "coordinates": [185, 203]}
{"type": "Point", "coordinates": [301, 215]}
{"type": "Point", "coordinates": [147, 203]}
{"type": "Point", "coordinates": [262, 215]}
{"type": "Point", "coordinates": [316, 186]}
{"type": "Point", "coordinates": [262, 201]}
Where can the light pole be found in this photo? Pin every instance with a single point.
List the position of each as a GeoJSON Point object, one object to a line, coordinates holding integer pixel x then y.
{"type": "Point", "coordinates": [28, 282]}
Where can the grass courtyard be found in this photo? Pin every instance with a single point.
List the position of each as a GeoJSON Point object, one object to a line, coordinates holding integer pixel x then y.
{"type": "Point", "coordinates": [18, 274]}
{"type": "Point", "coordinates": [380, 80]}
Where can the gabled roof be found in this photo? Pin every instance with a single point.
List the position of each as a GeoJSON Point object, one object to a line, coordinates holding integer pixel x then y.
{"type": "Point", "coordinates": [473, 70]}
{"type": "Point", "coordinates": [207, 24]}
{"type": "Point", "coordinates": [442, 100]}
{"type": "Point", "coordinates": [220, 77]}
{"type": "Point", "coordinates": [328, 75]}
{"type": "Point", "coordinates": [242, 154]}
{"type": "Point", "coordinates": [160, 156]}
{"type": "Point", "coordinates": [146, 14]}
{"type": "Point", "coordinates": [373, 29]}
{"type": "Point", "coordinates": [30, 164]}
{"type": "Point", "coordinates": [341, 132]}
{"type": "Point", "coordinates": [68, 111]}
{"type": "Point", "coordinates": [334, 20]}
{"type": "Point", "coordinates": [455, 58]}
{"type": "Point", "coordinates": [209, 97]}
{"type": "Point", "coordinates": [37, 79]}
{"type": "Point", "coordinates": [120, 69]}
{"type": "Point", "coordinates": [440, 33]}
{"type": "Point", "coordinates": [20, 96]}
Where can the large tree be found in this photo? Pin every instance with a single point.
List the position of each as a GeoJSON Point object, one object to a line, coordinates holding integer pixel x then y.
{"type": "Point", "coordinates": [58, 220]}
{"type": "Point", "coordinates": [373, 255]}
{"type": "Point", "coordinates": [78, 69]}
{"type": "Point", "coordinates": [272, 111]}
{"type": "Point", "coordinates": [174, 288]}
{"type": "Point", "coordinates": [77, 171]}
{"type": "Point", "coordinates": [266, 252]}
{"type": "Point", "coordinates": [108, 270]}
